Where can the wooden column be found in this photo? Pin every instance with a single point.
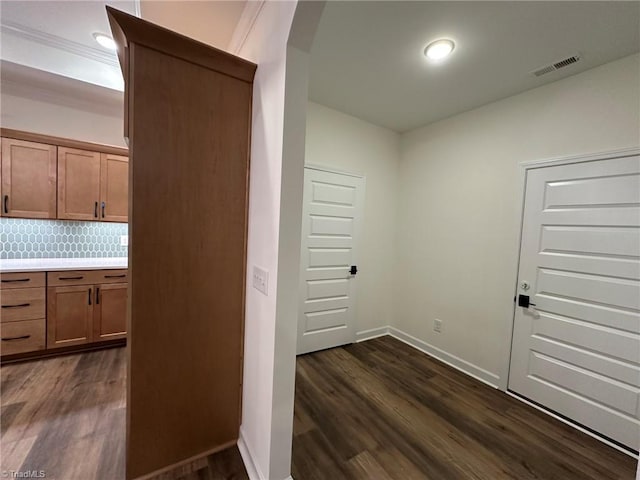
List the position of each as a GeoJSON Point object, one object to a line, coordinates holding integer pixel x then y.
{"type": "Point", "coordinates": [188, 118]}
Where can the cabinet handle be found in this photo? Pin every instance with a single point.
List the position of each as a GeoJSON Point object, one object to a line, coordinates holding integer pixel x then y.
{"type": "Point", "coordinates": [16, 306]}
{"type": "Point", "coordinates": [70, 278]}
{"type": "Point", "coordinates": [6, 204]}
{"type": "Point", "coordinates": [23, 337]}
{"type": "Point", "coordinates": [90, 296]}
{"type": "Point", "coordinates": [103, 205]}
{"type": "Point", "coordinates": [116, 276]}
{"type": "Point", "coordinates": [97, 295]}
{"type": "Point", "coordinates": [95, 210]}
{"type": "Point", "coordinates": [16, 280]}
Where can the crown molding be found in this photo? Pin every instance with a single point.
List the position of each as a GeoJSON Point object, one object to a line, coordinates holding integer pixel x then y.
{"type": "Point", "coordinates": [248, 18]}
{"type": "Point", "coordinates": [54, 41]}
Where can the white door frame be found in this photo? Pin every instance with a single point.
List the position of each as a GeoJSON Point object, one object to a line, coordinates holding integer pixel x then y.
{"type": "Point", "coordinates": [359, 230]}
{"type": "Point", "coordinates": [522, 183]}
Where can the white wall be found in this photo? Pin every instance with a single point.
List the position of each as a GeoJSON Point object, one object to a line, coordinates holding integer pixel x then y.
{"type": "Point", "coordinates": [459, 203]}
{"type": "Point", "coordinates": [54, 118]}
{"type": "Point", "coordinates": [349, 144]}
{"type": "Point", "coordinates": [266, 45]}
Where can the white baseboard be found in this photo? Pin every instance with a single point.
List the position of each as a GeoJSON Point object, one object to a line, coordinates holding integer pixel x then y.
{"type": "Point", "coordinates": [253, 471]}
{"type": "Point", "coordinates": [372, 333]}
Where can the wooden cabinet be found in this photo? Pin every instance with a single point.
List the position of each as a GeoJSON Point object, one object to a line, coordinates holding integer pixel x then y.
{"type": "Point", "coordinates": [86, 306]}
{"type": "Point", "coordinates": [69, 315]}
{"type": "Point", "coordinates": [114, 188]}
{"type": "Point", "coordinates": [78, 184]}
{"type": "Point", "coordinates": [188, 118]}
{"type": "Point", "coordinates": [57, 178]}
{"type": "Point", "coordinates": [22, 323]}
{"type": "Point", "coordinates": [28, 179]}
{"type": "Point", "coordinates": [110, 312]}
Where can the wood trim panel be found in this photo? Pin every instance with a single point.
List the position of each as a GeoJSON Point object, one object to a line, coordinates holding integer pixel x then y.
{"type": "Point", "coordinates": [62, 142]}
{"type": "Point", "coordinates": [128, 29]}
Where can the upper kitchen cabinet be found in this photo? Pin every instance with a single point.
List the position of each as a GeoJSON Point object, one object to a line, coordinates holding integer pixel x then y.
{"type": "Point", "coordinates": [78, 184]}
{"type": "Point", "coordinates": [114, 188]}
{"type": "Point", "coordinates": [28, 179]}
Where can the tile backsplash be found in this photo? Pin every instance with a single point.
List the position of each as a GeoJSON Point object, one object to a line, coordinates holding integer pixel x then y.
{"type": "Point", "coordinates": [23, 238]}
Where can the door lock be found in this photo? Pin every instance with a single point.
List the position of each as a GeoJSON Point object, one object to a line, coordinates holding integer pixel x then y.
{"type": "Point", "coordinates": [524, 285]}
{"type": "Point", "coordinates": [353, 270]}
{"type": "Point", "coordinates": [524, 301]}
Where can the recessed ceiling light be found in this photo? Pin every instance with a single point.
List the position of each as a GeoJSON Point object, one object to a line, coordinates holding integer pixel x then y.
{"type": "Point", "coordinates": [439, 49]}
{"type": "Point", "coordinates": [105, 41]}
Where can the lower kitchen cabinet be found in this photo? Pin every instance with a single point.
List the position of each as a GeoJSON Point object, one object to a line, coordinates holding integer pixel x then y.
{"type": "Point", "coordinates": [110, 312]}
{"type": "Point", "coordinates": [22, 316]}
{"type": "Point", "coordinates": [86, 307]}
{"type": "Point", "coordinates": [49, 311]}
{"type": "Point", "coordinates": [69, 315]}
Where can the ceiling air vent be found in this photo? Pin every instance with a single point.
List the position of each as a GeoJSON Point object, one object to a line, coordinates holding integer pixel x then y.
{"type": "Point", "coordinates": [556, 65]}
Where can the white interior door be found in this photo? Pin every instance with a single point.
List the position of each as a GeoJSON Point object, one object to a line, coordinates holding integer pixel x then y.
{"type": "Point", "coordinates": [332, 212]}
{"type": "Point", "coordinates": [577, 351]}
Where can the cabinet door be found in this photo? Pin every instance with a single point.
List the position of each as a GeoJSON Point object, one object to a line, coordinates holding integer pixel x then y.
{"type": "Point", "coordinates": [114, 188]}
{"type": "Point", "coordinates": [69, 315]}
{"type": "Point", "coordinates": [28, 179]}
{"type": "Point", "coordinates": [110, 312]}
{"type": "Point", "coordinates": [78, 184]}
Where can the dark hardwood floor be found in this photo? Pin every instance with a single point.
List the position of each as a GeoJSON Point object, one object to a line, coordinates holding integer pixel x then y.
{"type": "Point", "coordinates": [377, 410]}
{"type": "Point", "coordinates": [383, 410]}
{"type": "Point", "coordinates": [65, 416]}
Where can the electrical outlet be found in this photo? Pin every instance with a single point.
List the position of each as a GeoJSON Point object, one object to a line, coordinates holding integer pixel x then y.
{"type": "Point", "coordinates": [261, 280]}
{"type": "Point", "coordinates": [437, 325]}
{"type": "Point", "coordinates": [124, 240]}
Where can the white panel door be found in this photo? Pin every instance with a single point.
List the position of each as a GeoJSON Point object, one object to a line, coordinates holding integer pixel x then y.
{"type": "Point", "coordinates": [577, 350]}
{"type": "Point", "coordinates": [332, 212]}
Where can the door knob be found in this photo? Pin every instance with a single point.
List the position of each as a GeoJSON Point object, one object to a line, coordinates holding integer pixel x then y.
{"type": "Point", "coordinates": [353, 270]}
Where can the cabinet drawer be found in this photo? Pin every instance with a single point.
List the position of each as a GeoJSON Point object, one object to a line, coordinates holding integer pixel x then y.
{"type": "Point", "coordinates": [21, 337]}
{"type": "Point", "coordinates": [111, 276]}
{"type": "Point", "coordinates": [22, 280]}
{"type": "Point", "coordinates": [22, 304]}
{"type": "Point", "coordinates": [69, 278]}
{"type": "Point", "coordinates": [86, 277]}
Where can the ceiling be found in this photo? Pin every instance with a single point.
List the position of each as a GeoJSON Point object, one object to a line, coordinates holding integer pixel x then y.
{"type": "Point", "coordinates": [367, 57]}
{"type": "Point", "coordinates": [57, 36]}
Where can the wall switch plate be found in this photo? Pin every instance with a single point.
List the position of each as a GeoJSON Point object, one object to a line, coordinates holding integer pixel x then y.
{"type": "Point", "coordinates": [261, 280]}
{"type": "Point", "coordinates": [437, 325]}
{"type": "Point", "coordinates": [124, 240]}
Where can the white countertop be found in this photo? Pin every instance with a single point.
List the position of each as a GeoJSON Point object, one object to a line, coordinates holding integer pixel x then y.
{"type": "Point", "coordinates": [60, 264]}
